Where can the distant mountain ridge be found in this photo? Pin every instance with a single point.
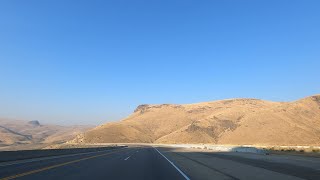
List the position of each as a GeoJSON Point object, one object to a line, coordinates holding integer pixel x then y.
{"type": "Point", "coordinates": [19, 134]}
{"type": "Point", "coordinates": [231, 121]}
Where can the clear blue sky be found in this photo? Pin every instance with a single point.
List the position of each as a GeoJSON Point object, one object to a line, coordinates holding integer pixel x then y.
{"type": "Point", "coordinates": [89, 62]}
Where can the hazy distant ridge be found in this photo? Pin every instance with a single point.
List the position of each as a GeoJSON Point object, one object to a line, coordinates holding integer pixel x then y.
{"type": "Point", "coordinates": [18, 134]}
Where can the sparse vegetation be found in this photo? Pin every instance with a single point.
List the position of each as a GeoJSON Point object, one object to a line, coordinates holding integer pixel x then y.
{"type": "Point", "coordinates": [316, 150]}
{"type": "Point", "coordinates": [299, 150]}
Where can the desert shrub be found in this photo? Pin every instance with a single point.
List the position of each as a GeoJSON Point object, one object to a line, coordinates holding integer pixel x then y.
{"type": "Point", "coordinates": [315, 150]}
{"type": "Point", "coordinates": [290, 150]}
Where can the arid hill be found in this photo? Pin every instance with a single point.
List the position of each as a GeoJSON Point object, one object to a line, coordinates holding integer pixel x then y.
{"type": "Point", "coordinates": [232, 121]}
{"type": "Point", "coordinates": [18, 134]}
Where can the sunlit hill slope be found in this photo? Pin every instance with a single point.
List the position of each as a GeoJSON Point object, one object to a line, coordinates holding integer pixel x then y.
{"type": "Point", "coordinates": [232, 121]}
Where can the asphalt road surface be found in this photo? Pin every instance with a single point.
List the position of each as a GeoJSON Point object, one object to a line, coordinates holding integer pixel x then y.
{"type": "Point", "coordinates": [126, 163]}
{"type": "Point", "coordinates": [146, 162]}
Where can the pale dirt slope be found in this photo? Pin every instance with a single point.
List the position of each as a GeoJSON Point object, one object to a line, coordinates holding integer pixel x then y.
{"type": "Point", "coordinates": [233, 121]}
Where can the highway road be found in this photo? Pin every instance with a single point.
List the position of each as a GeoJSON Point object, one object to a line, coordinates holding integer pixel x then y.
{"type": "Point", "coordinates": [146, 162]}
{"type": "Point", "coordinates": [126, 163]}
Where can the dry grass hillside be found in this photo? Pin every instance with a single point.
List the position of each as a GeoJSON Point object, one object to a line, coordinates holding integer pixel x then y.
{"type": "Point", "coordinates": [232, 121]}
{"type": "Point", "coordinates": [18, 134]}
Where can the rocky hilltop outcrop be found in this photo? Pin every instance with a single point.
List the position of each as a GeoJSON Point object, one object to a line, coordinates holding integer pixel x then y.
{"type": "Point", "coordinates": [34, 123]}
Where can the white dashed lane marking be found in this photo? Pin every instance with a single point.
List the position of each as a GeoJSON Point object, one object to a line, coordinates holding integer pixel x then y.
{"type": "Point", "coordinates": [127, 158]}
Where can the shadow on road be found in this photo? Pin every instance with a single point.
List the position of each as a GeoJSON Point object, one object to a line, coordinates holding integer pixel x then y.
{"type": "Point", "coordinates": [249, 156]}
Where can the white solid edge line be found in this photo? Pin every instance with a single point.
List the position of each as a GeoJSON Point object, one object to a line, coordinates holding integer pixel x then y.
{"type": "Point", "coordinates": [184, 175]}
